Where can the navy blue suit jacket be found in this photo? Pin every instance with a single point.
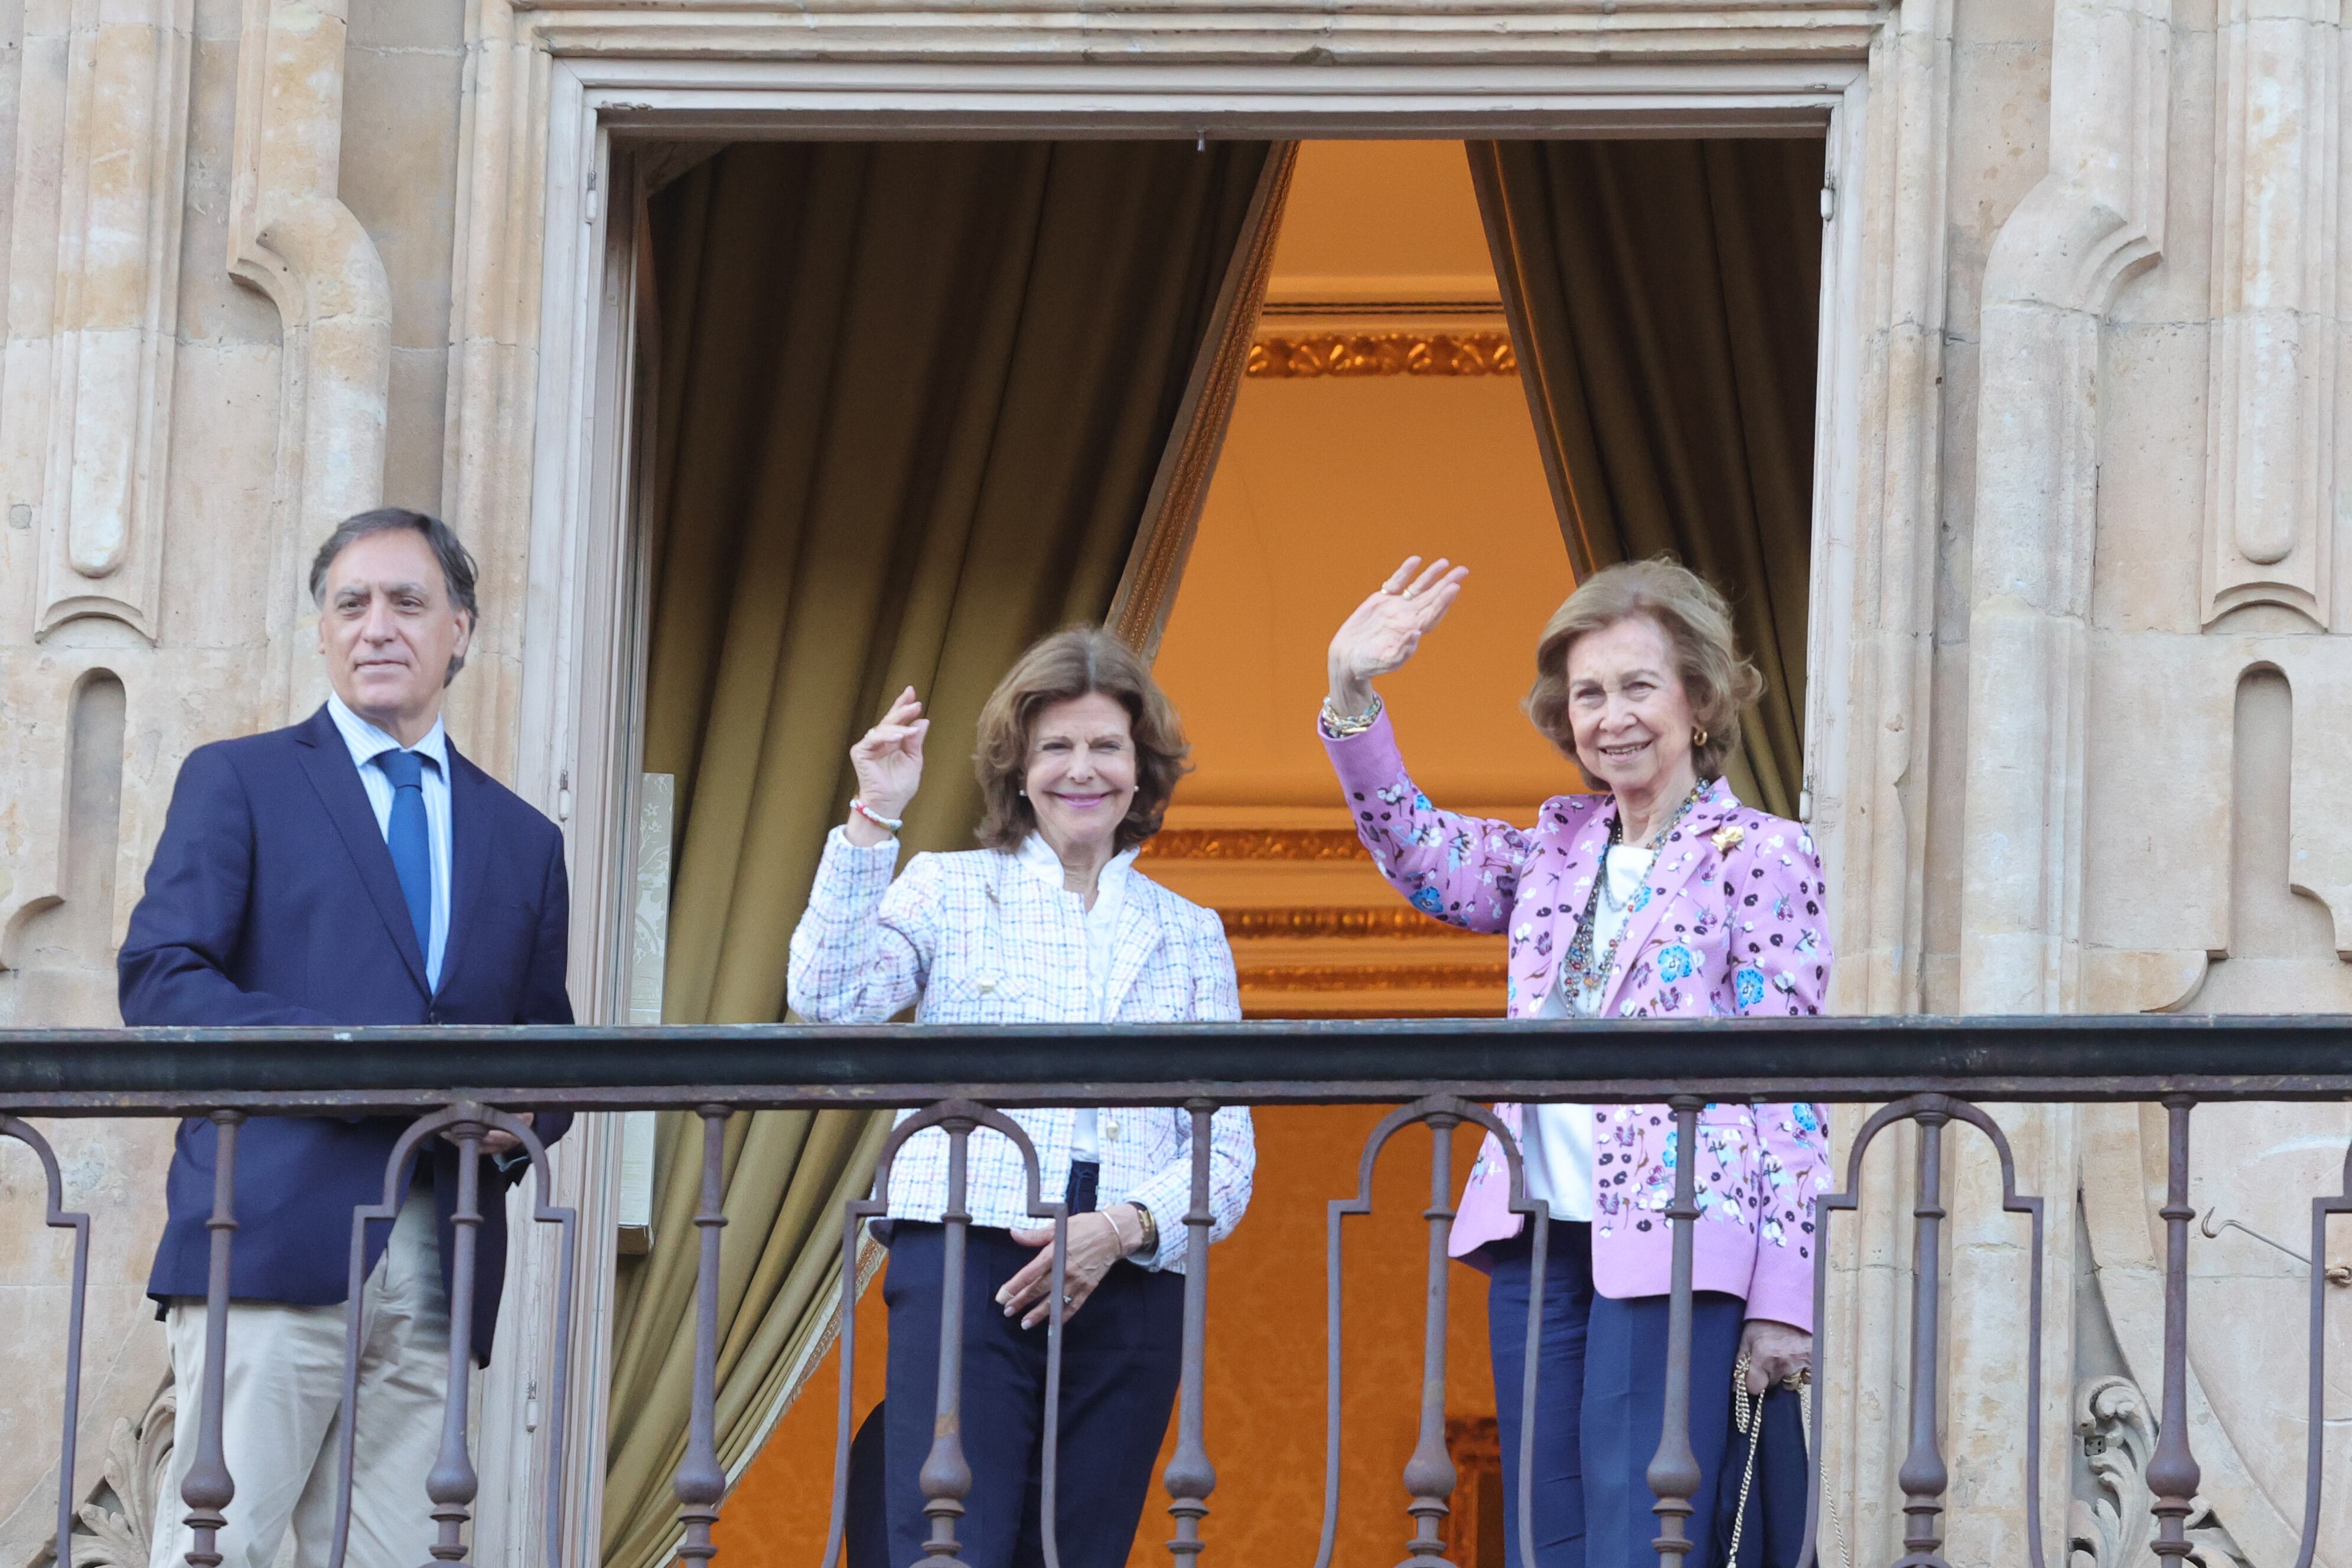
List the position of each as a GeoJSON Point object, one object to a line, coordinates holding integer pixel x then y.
{"type": "Point", "coordinates": [272, 900]}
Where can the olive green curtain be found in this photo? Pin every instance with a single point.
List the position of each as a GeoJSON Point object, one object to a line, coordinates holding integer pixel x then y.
{"type": "Point", "coordinates": [911, 400]}
{"type": "Point", "coordinates": [1664, 297]}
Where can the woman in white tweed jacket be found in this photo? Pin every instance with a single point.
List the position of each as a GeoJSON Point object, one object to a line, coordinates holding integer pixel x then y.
{"type": "Point", "coordinates": [1050, 923]}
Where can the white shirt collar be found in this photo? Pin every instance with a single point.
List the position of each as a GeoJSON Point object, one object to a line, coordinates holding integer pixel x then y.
{"type": "Point", "coordinates": [367, 742]}
{"type": "Point", "coordinates": [1038, 858]}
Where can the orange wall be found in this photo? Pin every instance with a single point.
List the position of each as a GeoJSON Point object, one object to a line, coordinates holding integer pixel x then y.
{"type": "Point", "coordinates": [1265, 1387]}
{"type": "Point", "coordinates": [1323, 486]}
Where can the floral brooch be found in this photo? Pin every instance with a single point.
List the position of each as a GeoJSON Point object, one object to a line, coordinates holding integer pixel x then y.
{"type": "Point", "coordinates": [1726, 838]}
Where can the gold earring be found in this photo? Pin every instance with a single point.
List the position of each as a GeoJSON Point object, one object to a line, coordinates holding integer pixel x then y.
{"type": "Point", "coordinates": [1698, 735]}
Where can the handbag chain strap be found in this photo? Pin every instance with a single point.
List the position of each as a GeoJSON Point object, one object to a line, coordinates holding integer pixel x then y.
{"type": "Point", "coordinates": [1748, 1414]}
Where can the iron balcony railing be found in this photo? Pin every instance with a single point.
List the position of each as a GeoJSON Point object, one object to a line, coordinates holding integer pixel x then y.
{"type": "Point", "coordinates": [460, 1084]}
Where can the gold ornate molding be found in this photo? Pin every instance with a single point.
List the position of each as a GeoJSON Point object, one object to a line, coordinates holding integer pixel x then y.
{"type": "Point", "coordinates": [1255, 844]}
{"type": "Point", "coordinates": [1301, 920]}
{"type": "Point", "coordinates": [1389, 978]}
{"type": "Point", "coordinates": [1313, 355]}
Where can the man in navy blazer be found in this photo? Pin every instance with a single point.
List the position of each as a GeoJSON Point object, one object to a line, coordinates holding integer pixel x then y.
{"type": "Point", "coordinates": [354, 869]}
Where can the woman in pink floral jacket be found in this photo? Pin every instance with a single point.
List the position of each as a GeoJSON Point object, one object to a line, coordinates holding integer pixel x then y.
{"type": "Point", "coordinates": [1665, 897]}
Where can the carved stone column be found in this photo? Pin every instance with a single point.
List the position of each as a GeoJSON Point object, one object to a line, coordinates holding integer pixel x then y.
{"type": "Point", "coordinates": [2270, 492]}
{"type": "Point", "coordinates": [2093, 221]}
{"type": "Point", "coordinates": [114, 312]}
{"type": "Point", "coordinates": [291, 237]}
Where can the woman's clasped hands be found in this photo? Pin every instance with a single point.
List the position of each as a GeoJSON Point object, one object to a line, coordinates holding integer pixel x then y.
{"type": "Point", "coordinates": [1097, 1241]}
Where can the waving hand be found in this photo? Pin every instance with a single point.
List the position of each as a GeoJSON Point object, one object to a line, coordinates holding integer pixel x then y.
{"type": "Point", "coordinates": [1386, 628]}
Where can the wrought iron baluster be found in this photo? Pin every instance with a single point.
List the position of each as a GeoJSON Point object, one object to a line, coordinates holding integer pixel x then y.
{"type": "Point", "coordinates": [419, 1134]}
{"type": "Point", "coordinates": [2316, 1414]}
{"type": "Point", "coordinates": [1190, 1476]}
{"type": "Point", "coordinates": [855, 1215]}
{"type": "Point", "coordinates": [452, 1481]}
{"type": "Point", "coordinates": [2172, 1471]}
{"type": "Point", "coordinates": [958, 1119]}
{"type": "Point", "coordinates": [209, 1489]}
{"type": "Point", "coordinates": [1429, 1476]}
{"type": "Point", "coordinates": [1058, 1308]}
{"type": "Point", "coordinates": [946, 1478]}
{"type": "Point", "coordinates": [1673, 1474]}
{"type": "Point", "coordinates": [59, 1220]}
{"type": "Point", "coordinates": [700, 1483]}
{"type": "Point", "coordinates": [1922, 1473]}
{"type": "Point", "coordinates": [1538, 1223]}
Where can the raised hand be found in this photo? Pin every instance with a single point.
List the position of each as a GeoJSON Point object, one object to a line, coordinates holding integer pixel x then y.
{"type": "Point", "coordinates": [1386, 628]}
{"type": "Point", "coordinates": [889, 761]}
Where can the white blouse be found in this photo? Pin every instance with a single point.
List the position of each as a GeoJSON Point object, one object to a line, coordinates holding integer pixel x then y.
{"type": "Point", "coordinates": [1037, 858]}
{"type": "Point", "coordinates": [1557, 1140]}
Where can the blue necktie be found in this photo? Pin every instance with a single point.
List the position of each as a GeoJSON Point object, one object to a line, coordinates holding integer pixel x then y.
{"type": "Point", "coordinates": [412, 850]}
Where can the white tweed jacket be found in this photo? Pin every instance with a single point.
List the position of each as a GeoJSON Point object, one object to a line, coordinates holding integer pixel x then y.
{"type": "Point", "coordinates": [974, 937]}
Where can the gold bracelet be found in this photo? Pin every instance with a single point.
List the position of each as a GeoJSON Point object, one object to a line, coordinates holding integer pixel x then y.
{"type": "Point", "coordinates": [1150, 1241]}
{"type": "Point", "coordinates": [1340, 725]}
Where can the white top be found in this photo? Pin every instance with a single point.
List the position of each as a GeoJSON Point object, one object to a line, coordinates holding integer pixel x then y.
{"type": "Point", "coordinates": [1102, 932]}
{"type": "Point", "coordinates": [367, 743]}
{"type": "Point", "coordinates": [1556, 1140]}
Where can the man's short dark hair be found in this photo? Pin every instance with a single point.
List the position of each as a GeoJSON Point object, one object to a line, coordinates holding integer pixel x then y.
{"type": "Point", "coordinates": [456, 561]}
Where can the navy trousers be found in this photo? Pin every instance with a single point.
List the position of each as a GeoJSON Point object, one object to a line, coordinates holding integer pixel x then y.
{"type": "Point", "coordinates": [1121, 1359]}
{"type": "Point", "coordinates": [1600, 1408]}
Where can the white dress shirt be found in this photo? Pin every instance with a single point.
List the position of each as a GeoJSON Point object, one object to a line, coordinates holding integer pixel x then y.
{"type": "Point", "coordinates": [367, 742]}
{"type": "Point", "coordinates": [1557, 1140]}
{"type": "Point", "coordinates": [1038, 857]}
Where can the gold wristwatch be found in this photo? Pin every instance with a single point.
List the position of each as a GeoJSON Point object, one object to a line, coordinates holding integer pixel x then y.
{"type": "Point", "coordinates": [1149, 1243]}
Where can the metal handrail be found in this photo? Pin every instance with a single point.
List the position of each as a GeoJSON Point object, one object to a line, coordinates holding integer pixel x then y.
{"type": "Point", "coordinates": [2085, 1060]}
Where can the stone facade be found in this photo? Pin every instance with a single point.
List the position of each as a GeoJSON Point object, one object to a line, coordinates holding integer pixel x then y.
{"type": "Point", "coordinates": [2080, 647]}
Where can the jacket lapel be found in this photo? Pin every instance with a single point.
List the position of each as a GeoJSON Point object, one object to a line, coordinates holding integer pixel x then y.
{"type": "Point", "coordinates": [469, 855]}
{"type": "Point", "coordinates": [1140, 934]}
{"type": "Point", "coordinates": [1679, 858]}
{"type": "Point", "coordinates": [328, 761]}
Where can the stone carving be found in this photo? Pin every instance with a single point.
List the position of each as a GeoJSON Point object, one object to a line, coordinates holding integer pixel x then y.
{"type": "Point", "coordinates": [2112, 1527]}
{"type": "Point", "coordinates": [290, 236]}
{"type": "Point", "coordinates": [2270, 486]}
{"type": "Point", "coordinates": [114, 312]}
{"type": "Point", "coordinates": [2093, 221]}
{"type": "Point", "coordinates": [117, 1522]}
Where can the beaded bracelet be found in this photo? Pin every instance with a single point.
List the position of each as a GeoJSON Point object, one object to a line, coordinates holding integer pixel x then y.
{"type": "Point", "coordinates": [877, 817]}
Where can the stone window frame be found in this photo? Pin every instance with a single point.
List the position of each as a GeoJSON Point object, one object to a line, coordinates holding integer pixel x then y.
{"type": "Point", "coordinates": [564, 106]}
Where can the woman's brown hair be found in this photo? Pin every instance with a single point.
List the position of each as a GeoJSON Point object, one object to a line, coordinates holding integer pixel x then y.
{"type": "Point", "coordinates": [1077, 662]}
{"type": "Point", "coordinates": [1698, 623]}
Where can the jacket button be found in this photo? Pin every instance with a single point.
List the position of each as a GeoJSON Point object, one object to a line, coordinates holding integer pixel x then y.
{"type": "Point", "coordinates": [1110, 1129]}
{"type": "Point", "coordinates": [985, 985]}
{"type": "Point", "coordinates": [433, 1016]}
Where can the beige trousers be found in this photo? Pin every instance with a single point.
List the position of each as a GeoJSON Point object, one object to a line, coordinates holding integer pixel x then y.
{"type": "Point", "coordinates": [282, 1415]}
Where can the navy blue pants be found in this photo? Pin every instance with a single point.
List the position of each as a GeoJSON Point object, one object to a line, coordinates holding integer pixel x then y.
{"type": "Point", "coordinates": [1121, 1358]}
{"type": "Point", "coordinates": [1600, 1407]}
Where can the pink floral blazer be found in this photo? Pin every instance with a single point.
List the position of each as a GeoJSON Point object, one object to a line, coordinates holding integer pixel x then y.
{"type": "Point", "coordinates": [1731, 922]}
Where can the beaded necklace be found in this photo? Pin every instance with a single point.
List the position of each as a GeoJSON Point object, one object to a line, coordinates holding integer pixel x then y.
{"type": "Point", "coordinates": [1579, 972]}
